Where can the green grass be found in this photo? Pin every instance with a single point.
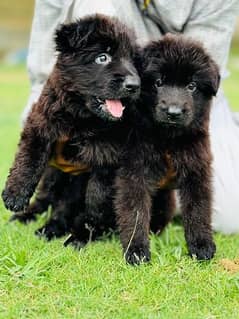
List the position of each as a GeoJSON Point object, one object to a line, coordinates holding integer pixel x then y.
{"type": "Point", "coordinates": [231, 84]}
{"type": "Point", "coordinates": [44, 280]}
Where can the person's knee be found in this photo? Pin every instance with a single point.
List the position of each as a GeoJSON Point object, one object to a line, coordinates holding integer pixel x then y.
{"type": "Point", "coordinates": [87, 7]}
{"type": "Point", "coordinates": [125, 10]}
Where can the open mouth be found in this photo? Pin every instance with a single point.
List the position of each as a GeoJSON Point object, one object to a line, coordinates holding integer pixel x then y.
{"type": "Point", "coordinates": [113, 107]}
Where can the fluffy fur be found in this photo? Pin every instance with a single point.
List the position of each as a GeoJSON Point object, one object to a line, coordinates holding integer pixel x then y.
{"type": "Point", "coordinates": [169, 149]}
{"type": "Point", "coordinates": [94, 65]}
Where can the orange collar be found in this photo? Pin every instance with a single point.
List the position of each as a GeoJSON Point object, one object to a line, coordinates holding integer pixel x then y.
{"type": "Point", "coordinates": [65, 166]}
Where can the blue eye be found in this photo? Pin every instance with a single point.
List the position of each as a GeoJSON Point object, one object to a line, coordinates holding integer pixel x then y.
{"type": "Point", "coordinates": [192, 86]}
{"type": "Point", "coordinates": [158, 82]}
{"type": "Point", "coordinates": [103, 58]}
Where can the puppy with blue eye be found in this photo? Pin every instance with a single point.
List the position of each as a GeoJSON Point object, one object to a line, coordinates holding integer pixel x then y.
{"type": "Point", "coordinates": [169, 149]}
{"type": "Point", "coordinates": [78, 125]}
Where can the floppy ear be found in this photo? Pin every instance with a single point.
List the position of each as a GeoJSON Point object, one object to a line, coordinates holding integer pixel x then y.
{"type": "Point", "coordinates": [209, 78]}
{"type": "Point", "coordinates": [138, 58]}
{"type": "Point", "coordinates": [214, 78]}
{"type": "Point", "coordinates": [69, 37]}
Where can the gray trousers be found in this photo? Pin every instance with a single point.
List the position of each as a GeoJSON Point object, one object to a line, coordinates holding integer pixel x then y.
{"type": "Point", "coordinates": [211, 22]}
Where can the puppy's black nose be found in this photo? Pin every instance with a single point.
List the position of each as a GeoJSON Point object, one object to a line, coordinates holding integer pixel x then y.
{"type": "Point", "coordinates": [131, 83]}
{"type": "Point", "coordinates": [174, 111]}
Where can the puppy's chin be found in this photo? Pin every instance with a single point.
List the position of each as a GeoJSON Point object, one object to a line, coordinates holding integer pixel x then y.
{"type": "Point", "coordinates": [104, 115]}
{"type": "Point", "coordinates": [170, 123]}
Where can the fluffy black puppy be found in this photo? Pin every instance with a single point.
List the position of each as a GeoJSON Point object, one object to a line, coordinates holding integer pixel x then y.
{"type": "Point", "coordinates": [170, 149]}
{"type": "Point", "coordinates": [83, 111]}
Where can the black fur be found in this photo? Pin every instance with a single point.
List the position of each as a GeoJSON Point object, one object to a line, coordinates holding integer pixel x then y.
{"type": "Point", "coordinates": [169, 149]}
{"type": "Point", "coordinates": [94, 64]}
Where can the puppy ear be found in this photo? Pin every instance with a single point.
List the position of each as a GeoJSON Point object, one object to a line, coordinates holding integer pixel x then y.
{"type": "Point", "coordinates": [138, 58]}
{"type": "Point", "coordinates": [69, 37]}
{"type": "Point", "coordinates": [214, 78]}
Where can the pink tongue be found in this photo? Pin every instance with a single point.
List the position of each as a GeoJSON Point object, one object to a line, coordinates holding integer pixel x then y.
{"type": "Point", "coordinates": [115, 107]}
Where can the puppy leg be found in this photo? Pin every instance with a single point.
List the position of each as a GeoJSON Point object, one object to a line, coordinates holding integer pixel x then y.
{"type": "Point", "coordinates": [163, 208]}
{"type": "Point", "coordinates": [43, 199]}
{"type": "Point", "coordinates": [27, 169]}
{"type": "Point", "coordinates": [98, 216]}
{"type": "Point", "coordinates": [133, 207]}
{"type": "Point", "coordinates": [67, 199]}
{"type": "Point", "coordinates": [98, 202]}
{"type": "Point", "coordinates": [195, 195]}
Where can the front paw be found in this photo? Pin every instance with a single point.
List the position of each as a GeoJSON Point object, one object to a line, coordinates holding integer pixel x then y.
{"type": "Point", "coordinates": [135, 255]}
{"type": "Point", "coordinates": [202, 249]}
{"type": "Point", "coordinates": [15, 202]}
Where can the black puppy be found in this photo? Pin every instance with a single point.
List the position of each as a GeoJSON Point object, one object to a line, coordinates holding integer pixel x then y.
{"type": "Point", "coordinates": [169, 149]}
{"type": "Point", "coordinates": [81, 112]}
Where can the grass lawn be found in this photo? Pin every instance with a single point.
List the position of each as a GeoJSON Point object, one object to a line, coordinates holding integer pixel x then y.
{"type": "Point", "coordinates": [45, 280]}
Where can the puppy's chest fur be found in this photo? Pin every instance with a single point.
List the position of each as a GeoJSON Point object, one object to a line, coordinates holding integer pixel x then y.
{"type": "Point", "coordinates": [169, 179]}
{"type": "Point", "coordinates": [87, 148]}
{"type": "Point", "coordinates": [163, 171]}
{"type": "Point", "coordinates": [166, 165]}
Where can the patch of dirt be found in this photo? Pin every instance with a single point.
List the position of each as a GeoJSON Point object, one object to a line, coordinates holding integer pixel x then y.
{"type": "Point", "coordinates": [232, 266]}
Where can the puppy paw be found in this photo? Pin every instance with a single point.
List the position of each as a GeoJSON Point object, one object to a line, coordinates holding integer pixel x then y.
{"type": "Point", "coordinates": [50, 231]}
{"type": "Point", "coordinates": [74, 242]}
{"type": "Point", "coordinates": [23, 217]}
{"type": "Point", "coordinates": [137, 254]}
{"type": "Point", "coordinates": [15, 202]}
{"type": "Point", "coordinates": [202, 249]}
